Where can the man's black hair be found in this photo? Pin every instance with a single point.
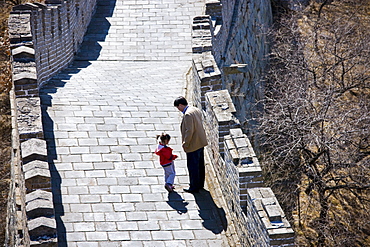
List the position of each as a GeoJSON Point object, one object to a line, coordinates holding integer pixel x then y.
{"type": "Point", "coordinates": [180, 100]}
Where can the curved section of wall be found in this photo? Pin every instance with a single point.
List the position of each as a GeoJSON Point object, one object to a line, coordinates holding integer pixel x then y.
{"type": "Point", "coordinates": [241, 39]}
{"type": "Point", "coordinates": [44, 39]}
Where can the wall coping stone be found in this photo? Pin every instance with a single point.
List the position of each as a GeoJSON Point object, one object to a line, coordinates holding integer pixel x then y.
{"type": "Point", "coordinates": [222, 105]}
{"type": "Point", "coordinates": [39, 195]}
{"type": "Point", "coordinates": [25, 78]}
{"type": "Point", "coordinates": [34, 147]}
{"type": "Point", "coordinates": [23, 54]}
{"type": "Point", "coordinates": [35, 164]}
{"type": "Point", "coordinates": [39, 208]}
{"type": "Point", "coordinates": [42, 227]}
{"type": "Point", "coordinates": [272, 215]}
{"type": "Point", "coordinates": [29, 120]}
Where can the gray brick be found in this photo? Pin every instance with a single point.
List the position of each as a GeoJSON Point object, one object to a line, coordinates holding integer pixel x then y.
{"type": "Point", "coordinates": [178, 243]}
{"type": "Point", "coordinates": [102, 207]}
{"type": "Point", "coordinates": [136, 216]}
{"type": "Point", "coordinates": [111, 157]}
{"type": "Point", "coordinates": [107, 181]}
{"type": "Point", "coordinates": [103, 165]}
{"type": "Point", "coordinates": [83, 166]}
{"type": "Point", "coordinates": [170, 225]}
{"type": "Point", "coordinates": [84, 227]}
{"type": "Point", "coordinates": [90, 198]}
{"type": "Point", "coordinates": [75, 236]}
{"type": "Point", "coordinates": [91, 157]}
{"type": "Point", "coordinates": [162, 235]}
{"type": "Point", "coordinates": [111, 198]}
{"type": "Point", "coordinates": [153, 215]}
{"type": "Point", "coordinates": [120, 236]}
{"type": "Point", "coordinates": [184, 234]}
{"type": "Point", "coordinates": [78, 190]}
{"type": "Point", "coordinates": [97, 236]}
{"type": "Point", "coordinates": [80, 208]}
{"type": "Point", "coordinates": [140, 235]}
{"type": "Point", "coordinates": [99, 189]}
{"type": "Point", "coordinates": [106, 226]}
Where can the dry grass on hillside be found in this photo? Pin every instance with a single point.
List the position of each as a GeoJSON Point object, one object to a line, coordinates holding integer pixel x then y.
{"type": "Point", "coordinates": [5, 122]}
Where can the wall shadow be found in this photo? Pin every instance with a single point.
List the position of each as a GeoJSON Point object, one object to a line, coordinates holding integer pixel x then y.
{"type": "Point", "coordinates": [214, 218]}
{"type": "Point", "coordinates": [177, 202]}
{"type": "Point", "coordinates": [48, 127]}
{"type": "Point", "coordinates": [46, 98]}
{"type": "Point", "coordinates": [97, 31]}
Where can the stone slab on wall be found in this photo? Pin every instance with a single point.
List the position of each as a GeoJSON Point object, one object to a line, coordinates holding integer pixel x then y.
{"type": "Point", "coordinates": [239, 151]}
{"type": "Point", "coordinates": [238, 170]}
{"type": "Point", "coordinates": [220, 110]}
{"type": "Point", "coordinates": [272, 216]}
{"type": "Point", "coordinates": [29, 118]}
{"type": "Point", "coordinates": [204, 64]}
{"type": "Point", "coordinates": [253, 208]}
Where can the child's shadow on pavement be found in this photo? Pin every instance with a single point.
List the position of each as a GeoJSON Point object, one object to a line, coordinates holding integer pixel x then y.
{"type": "Point", "coordinates": [177, 203]}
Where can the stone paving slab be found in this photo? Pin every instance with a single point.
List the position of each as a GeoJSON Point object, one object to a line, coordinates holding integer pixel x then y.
{"type": "Point", "coordinates": [101, 116]}
{"type": "Point", "coordinates": [141, 30]}
{"type": "Point", "coordinates": [107, 183]}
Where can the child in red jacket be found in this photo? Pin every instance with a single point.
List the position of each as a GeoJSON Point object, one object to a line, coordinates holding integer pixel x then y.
{"type": "Point", "coordinates": [166, 159]}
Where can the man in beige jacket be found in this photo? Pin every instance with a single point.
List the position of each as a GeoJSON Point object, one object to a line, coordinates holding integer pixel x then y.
{"type": "Point", "coordinates": [194, 140]}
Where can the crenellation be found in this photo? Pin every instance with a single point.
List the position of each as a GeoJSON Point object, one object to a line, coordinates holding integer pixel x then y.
{"type": "Point", "coordinates": [43, 40]}
{"type": "Point", "coordinates": [232, 156]}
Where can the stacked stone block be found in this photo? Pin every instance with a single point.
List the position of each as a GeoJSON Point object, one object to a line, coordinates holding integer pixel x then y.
{"type": "Point", "coordinates": [43, 41]}
{"type": "Point", "coordinates": [23, 54]}
{"type": "Point", "coordinates": [204, 64]}
{"type": "Point", "coordinates": [39, 203]}
{"type": "Point", "coordinates": [256, 221]}
{"type": "Point", "coordinates": [201, 34]}
{"type": "Point", "coordinates": [260, 222]}
{"type": "Point", "coordinates": [250, 230]}
{"type": "Point", "coordinates": [239, 153]}
{"type": "Point", "coordinates": [279, 230]}
{"type": "Point", "coordinates": [220, 111]}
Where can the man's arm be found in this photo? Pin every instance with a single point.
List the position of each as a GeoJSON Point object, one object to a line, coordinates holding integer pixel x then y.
{"type": "Point", "coordinates": [188, 123]}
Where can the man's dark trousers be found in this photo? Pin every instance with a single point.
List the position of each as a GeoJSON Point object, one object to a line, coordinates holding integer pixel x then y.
{"type": "Point", "coordinates": [195, 163]}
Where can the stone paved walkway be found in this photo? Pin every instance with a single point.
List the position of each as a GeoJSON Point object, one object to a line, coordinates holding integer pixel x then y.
{"type": "Point", "coordinates": [101, 117]}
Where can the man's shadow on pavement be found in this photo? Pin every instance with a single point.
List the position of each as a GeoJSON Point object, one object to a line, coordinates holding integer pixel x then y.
{"type": "Point", "coordinates": [214, 218]}
{"type": "Point", "coordinates": [177, 203]}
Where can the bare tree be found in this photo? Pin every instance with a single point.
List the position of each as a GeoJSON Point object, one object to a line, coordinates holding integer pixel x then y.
{"type": "Point", "coordinates": [316, 122]}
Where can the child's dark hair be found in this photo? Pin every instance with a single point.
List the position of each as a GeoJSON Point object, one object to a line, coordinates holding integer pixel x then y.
{"type": "Point", "coordinates": [164, 137]}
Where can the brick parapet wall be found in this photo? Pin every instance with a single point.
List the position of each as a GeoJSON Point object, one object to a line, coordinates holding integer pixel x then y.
{"type": "Point", "coordinates": [253, 208]}
{"type": "Point", "coordinates": [44, 39]}
{"type": "Point", "coordinates": [16, 232]}
{"type": "Point", "coordinates": [232, 162]}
